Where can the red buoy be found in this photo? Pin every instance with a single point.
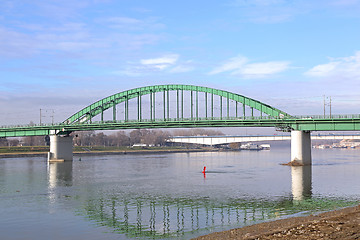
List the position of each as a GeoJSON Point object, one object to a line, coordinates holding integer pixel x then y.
{"type": "Point", "coordinates": [204, 169]}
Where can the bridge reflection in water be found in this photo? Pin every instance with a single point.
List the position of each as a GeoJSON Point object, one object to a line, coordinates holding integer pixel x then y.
{"type": "Point", "coordinates": [301, 183]}
{"type": "Point", "coordinates": [60, 174]}
{"type": "Point", "coordinates": [166, 217]}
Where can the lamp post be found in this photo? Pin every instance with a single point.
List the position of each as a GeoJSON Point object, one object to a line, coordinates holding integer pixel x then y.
{"type": "Point", "coordinates": [327, 104]}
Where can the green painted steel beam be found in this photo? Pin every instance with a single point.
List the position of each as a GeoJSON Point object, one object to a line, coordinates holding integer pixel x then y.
{"type": "Point", "coordinates": [114, 113]}
{"type": "Point", "coordinates": [177, 105]}
{"type": "Point", "coordinates": [32, 131]}
{"type": "Point", "coordinates": [221, 106]}
{"type": "Point", "coordinates": [102, 105]}
{"type": "Point", "coordinates": [340, 124]}
{"type": "Point", "coordinates": [182, 104]}
{"type": "Point", "coordinates": [206, 105]}
{"type": "Point", "coordinates": [154, 105]}
{"type": "Point", "coordinates": [168, 104]}
{"type": "Point", "coordinates": [269, 116]}
{"type": "Point", "coordinates": [212, 105]}
{"type": "Point", "coordinates": [191, 105]}
{"type": "Point", "coordinates": [197, 105]}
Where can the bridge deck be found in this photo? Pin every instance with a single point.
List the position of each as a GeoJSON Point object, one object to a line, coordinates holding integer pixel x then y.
{"type": "Point", "coordinates": [304, 124]}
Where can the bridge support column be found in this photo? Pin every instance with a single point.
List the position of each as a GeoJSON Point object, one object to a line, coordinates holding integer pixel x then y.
{"type": "Point", "coordinates": [300, 148]}
{"type": "Point", "coordinates": [61, 148]}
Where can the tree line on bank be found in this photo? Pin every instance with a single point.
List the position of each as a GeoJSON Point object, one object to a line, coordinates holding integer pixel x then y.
{"type": "Point", "coordinates": [116, 139]}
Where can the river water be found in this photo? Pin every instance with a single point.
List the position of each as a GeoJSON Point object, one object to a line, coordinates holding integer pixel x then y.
{"type": "Point", "coordinates": [166, 196]}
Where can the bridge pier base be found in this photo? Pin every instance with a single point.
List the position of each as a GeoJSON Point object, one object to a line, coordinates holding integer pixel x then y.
{"type": "Point", "coordinates": [61, 148]}
{"type": "Point", "coordinates": [300, 148]}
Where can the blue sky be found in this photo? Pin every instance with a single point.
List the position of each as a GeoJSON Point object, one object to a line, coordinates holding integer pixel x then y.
{"type": "Point", "coordinates": [64, 55]}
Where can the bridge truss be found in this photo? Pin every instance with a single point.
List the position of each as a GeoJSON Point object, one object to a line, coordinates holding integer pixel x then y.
{"type": "Point", "coordinates": [182, 106]}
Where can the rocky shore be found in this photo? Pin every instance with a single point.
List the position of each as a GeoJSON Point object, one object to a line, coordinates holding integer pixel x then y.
{"type": "Point", "coordinates": [339, 224]}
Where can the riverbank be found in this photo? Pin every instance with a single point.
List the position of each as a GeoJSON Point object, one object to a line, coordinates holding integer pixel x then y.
{"type": "Point", "coordinates": [339, 224]}
{"type": "Point", "coordinates": [87, 151]}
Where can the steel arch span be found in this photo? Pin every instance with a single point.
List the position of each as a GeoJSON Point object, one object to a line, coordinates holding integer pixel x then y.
{"type": "Point", "coordinates": [183, 106]}
{"type": "Point", "coordinates": [184, 95]}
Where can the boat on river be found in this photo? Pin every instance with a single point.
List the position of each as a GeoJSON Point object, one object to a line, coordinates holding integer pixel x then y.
{"type": "Point", "coordinates": [256, 147]}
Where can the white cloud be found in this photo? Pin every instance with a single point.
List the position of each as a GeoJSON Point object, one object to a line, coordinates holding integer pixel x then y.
{"type": "Point", "coordinates": [160, 63]}
{"type": "Point", "coordinates": [233, 64]}
{"type": "Point", "coordinates": [54, 28]}
{"type": "Point", "coordinates": [344, 67]}
{"type": "Point", "coordinates": [259, 70]}
{"type": "Point", "coordinates": [167, 59]}
{"type": "Point", "coordinates": [239, 66]}
{"type": "Point", "coordinates": [323, 69]}
{"type": "Point", "coordinates": [73, 38]}
{"type": "Point", "coordinates": [167, 63]}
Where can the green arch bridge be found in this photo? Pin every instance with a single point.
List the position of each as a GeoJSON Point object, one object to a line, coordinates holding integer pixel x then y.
{"type": "Point", "coordinates": [184, 106]}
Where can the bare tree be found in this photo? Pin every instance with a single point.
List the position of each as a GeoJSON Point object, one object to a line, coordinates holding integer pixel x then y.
{"type": "Point", "coordinates": [3, 142]}
{"type": "Point", "coordinates": [14, 142]}
{"type": "Point", "coordinates": [99, 139]}
{"type": "Point", "coordinates": [153, 137]}
{"type": "Point", "coordinates": [119, 139]}
{"type": "Point", "coordinates": [161, 137]}
{"type": "Point", "coordinates": [34, 141]}
{"type": "Point", "coordinates": [84, 138]}
{"type": "Point", "coordinates": [137, 136]}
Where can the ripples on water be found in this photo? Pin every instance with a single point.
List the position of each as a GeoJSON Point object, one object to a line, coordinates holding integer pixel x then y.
{"type": "Point", "coordinates": [161, 196]}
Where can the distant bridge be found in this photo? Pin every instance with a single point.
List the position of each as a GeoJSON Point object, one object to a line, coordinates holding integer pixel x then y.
{"type": "Point", "coordinates": [218, 140]}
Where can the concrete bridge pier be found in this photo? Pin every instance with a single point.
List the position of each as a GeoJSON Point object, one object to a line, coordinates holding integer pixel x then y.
{"type": "Point", "coordinates": [61, 148]}
{"type": "Point", "coordinates": [300, 148]}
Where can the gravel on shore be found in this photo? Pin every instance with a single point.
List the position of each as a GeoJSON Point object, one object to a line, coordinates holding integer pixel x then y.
{"type": "Point", "coordinates": [339, 224]}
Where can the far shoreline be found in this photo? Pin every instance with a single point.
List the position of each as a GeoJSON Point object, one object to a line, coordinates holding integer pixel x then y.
{"type": "Point", "coordinates": [107, 152]}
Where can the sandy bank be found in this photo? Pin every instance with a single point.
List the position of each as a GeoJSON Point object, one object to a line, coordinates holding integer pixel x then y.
{"type": "Point", "coordinates": [339, 224]}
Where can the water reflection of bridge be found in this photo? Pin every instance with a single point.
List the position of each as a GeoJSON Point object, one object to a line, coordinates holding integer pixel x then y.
{"type": "Point", "coordinates": [162, 216]}
{"type": "Point", "coordinates": [170, 217]}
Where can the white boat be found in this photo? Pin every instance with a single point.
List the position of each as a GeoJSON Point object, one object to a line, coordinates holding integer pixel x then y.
{"type": "Point", "coordinates": [251, 146]}
{"type": "Point", "coordinates": [265, 146]}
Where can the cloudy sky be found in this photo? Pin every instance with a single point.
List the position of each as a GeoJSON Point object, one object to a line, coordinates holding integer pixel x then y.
{"type": "Point", "coordinates": [64, 55]}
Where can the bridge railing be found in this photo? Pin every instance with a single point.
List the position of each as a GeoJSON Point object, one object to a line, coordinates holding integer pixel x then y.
{"type": "Point", "coordinates": [32, 125]}
{"type": "Point", "coordinates": [239, 118]}
{"type": "Point", "coordinates": [144, 120]}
